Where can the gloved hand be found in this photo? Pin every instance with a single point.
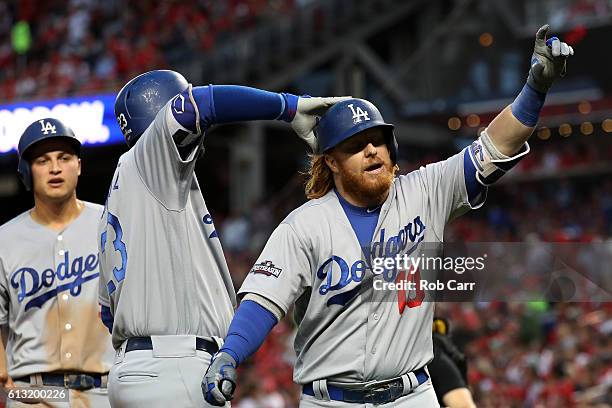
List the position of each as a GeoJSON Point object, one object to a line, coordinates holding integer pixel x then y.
{"type": "Point", "coordinates": [306, 116]}
{"type": "Point", "coordinates": [548, 61]}
{"type": "Point", "coordinates": [219, 381]}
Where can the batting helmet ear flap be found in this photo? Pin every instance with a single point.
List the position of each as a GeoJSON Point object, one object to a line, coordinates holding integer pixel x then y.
{"type": "Point", "coordinates": [392, 145]}
{"type": "Point", "coordinates": [25, 173]}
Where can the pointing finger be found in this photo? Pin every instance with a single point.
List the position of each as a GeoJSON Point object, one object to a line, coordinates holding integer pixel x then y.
{"type": "Point", "coordinates": [541, 34]}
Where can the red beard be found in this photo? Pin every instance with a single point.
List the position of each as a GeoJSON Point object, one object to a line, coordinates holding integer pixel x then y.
{"type": "Point", "coordinates": [371, 188]}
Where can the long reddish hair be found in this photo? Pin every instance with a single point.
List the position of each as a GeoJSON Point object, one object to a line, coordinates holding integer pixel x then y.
{"type": "Point", "coordinates": [319, 178]}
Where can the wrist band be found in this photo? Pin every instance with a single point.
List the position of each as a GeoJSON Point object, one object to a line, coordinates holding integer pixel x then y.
{"type": "Point", "coordinates": [527, 106]}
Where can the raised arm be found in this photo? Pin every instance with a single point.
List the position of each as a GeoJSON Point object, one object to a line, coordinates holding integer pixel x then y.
{"type": "Point", "coordinates": [140, 101]}
{"type": "Point", "coordinates": [514, 125]}
{"type": "Point", "coordinates": [217, 104]}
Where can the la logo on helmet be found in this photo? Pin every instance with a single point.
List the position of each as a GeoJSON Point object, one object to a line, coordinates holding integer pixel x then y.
{"type": "Point", "coordinates": [358, 114]}
{"type": "Point", "coordinates": [46, 127]}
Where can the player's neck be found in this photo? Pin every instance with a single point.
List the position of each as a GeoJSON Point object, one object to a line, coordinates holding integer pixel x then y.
{"type": "Point", "coordinates": [56, 215]}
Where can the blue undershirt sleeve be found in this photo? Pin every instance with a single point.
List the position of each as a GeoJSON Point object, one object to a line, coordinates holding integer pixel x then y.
{"type": "Point", "coordinates": [232, 103]}
{"type": "Point", "coordinates": [248, 330]}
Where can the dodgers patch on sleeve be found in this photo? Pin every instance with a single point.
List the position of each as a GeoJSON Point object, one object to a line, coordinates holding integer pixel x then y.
{"type": "Point", "coordinates": [266, 268]}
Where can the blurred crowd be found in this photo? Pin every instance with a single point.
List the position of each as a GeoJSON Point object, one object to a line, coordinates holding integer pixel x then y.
{"type": "Point", "coordinates": [534, 354]}
{"type": "Point", "coordinates": [81, 46]}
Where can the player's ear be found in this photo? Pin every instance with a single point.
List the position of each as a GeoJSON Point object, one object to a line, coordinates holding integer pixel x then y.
{"type": "Point", "coordinates": [79, 172]}
{"type": "Point", "coordinates": [332, 163]}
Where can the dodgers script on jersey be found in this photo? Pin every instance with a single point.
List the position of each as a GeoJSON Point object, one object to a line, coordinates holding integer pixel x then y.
{"type": "Point", "coordinates": [48, 296]}
{"type": "Point", "coordinates": [163, 269]}
{"type": "Point", "coordinates": [314, 259]}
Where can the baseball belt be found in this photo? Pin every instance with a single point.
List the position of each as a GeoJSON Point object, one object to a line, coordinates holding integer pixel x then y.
{"type": "Point", "coordinates": [73, 380]}
{"type": "Point", "coordinates": [381, 393]}
{"type": "Point", "coordinates": [145, 343]}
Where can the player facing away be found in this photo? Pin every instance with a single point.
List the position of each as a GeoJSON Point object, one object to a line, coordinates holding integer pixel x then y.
{"type": "Point", "coordinates": [166, 289]}
{"type": "Point", "coordinates": [49, 269]}
{"type": "Point", "coordinates": [354, 345]}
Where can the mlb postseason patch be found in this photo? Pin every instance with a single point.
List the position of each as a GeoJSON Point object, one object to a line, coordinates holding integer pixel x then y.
{"type": "Point", "coordinates": [266, 268]}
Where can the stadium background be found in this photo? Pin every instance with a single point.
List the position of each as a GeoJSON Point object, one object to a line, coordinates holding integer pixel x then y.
{"type": "Point", "coordinates": [438, 69]}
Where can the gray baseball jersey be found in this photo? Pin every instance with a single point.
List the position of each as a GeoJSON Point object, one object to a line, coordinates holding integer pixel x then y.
{"type": "Point", "coordinates": [48, 296]}
{"type": "Point", "coordinates": [162, 266]}
{"type": "Point", "coordinates": [314, 259]}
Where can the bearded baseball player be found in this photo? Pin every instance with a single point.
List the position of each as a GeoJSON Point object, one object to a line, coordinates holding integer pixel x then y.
{"type": "Point", "coordinates": [165, 289]}
{"type": "Point", "coordinates": [357, 346]}
{"type": "Point", "coordinates": [49, 270]}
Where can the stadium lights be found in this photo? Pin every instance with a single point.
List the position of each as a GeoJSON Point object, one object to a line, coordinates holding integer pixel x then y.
{"type": "Point", "coordinates": [485, 39]}
{"type": "Point", "coordinates": [544, 133]}
{"type": "Point", "coordinates": [586, 128]}
{"type": "Point", "coordinates": [454, 123]}
{"type": "Point", "coordinates": [584, 107]}
{"type": "Point", "coordinates": [565, 129]}
{"type": "Point", "coordinates": [473, 120]}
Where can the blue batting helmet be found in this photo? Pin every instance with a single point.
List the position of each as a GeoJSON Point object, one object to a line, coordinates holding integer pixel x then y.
{"type": "Point", "coordinates": [43, 129]}
{"type": "Point", "coordinates": [140, 99]}
{"type": "Point", "coordinates": [346, 119]}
